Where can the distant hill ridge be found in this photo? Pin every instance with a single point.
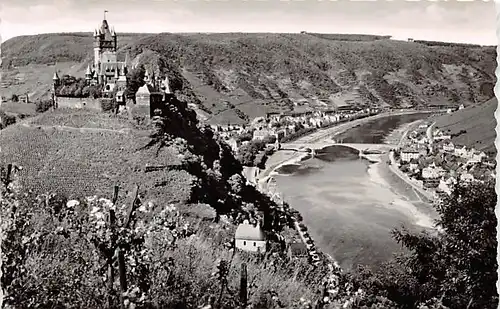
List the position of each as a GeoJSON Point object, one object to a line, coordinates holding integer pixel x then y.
{"type": "Point", "coordinates": [234, 77]}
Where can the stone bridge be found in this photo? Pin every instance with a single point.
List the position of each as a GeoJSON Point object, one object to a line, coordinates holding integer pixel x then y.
{"type": "Point", "coordinates": [308, 147]}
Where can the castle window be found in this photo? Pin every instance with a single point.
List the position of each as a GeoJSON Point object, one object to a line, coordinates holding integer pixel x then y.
{"type": "Point", "coordinates": [108, 60]}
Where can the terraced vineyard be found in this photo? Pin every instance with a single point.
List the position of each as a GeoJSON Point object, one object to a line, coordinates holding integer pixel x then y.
{"type": "Point", "coordinates": [77, 162]}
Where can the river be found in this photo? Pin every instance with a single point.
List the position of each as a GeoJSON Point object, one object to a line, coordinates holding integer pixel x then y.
{"type": "Point", "coordinates": [350, 205]}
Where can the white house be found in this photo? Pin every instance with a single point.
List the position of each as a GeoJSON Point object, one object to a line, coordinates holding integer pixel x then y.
{"type": "Point", "coordinates": [442, 137]}
{"type": "Point", "coordinates": [461, 152]}
{"type": "Point", "coordinates": [233, 143]}
{"type": "Point", "coordinates": [250, 238]}
{"type": "Point", "coordinates": [466, 177]}
{"type": "Point", "coordinates": [409, 153]}
{"type": "Point", "coordinates": [413, 166]}
{"type": "Point", "coordinates": [444, 186]}
{"type": "Point", "coordinates": [432, 172]}
{"type": "Point", "coordinates": [261, 133]}
{"type": "Point", "coordinates": [477, 157]}
{"type": "Point", "coordinates": [449, 147]}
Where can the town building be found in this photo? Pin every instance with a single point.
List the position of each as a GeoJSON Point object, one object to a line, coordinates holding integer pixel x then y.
{"type": "Point", "coordinates": [261, 133]}
{"type": "Point", "coordinates": [448, 146]}
{"type": "Point", "coordinates": [407, 154]}
{"type": "Point", "coordinates": [24, 98]}
{"type": "Point", "coordinates": [234, 143]}
{"type": "Point", "coordinates": [250, 238]}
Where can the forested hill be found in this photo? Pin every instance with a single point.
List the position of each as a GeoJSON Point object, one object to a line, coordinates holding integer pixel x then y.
{"type": "Point", "coordinates": [236, 76]}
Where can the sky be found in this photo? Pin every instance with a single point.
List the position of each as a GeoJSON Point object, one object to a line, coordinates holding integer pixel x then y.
{"type": "Point", "coordinates": [438, 20]}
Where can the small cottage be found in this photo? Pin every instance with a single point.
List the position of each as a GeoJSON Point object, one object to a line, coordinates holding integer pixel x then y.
{"type": "Point", "coordinates": [250, 238]}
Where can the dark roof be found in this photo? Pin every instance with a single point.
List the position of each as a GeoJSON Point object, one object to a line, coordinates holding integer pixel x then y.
{"type": "Point", "coordinates": [106, 31]}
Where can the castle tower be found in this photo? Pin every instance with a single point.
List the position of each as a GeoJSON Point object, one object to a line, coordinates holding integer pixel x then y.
{"type": "Point", "coordinates": [166, 86]}
{"type": "Point", "coordinates": [88, 74]}
{"type": "Point", "coordinates": [55, 83]}
{"type": "Point", "coordinates": [146, 77]}
{"type": "Point", "coordinates": [105, 44]}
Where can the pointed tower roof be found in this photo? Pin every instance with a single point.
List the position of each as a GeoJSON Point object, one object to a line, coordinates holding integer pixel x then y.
{"type": "Point", "coordinates": [88, 72]}
{"type": "Point", "coordinates": [104, 29]}
{"type": "Point", "coordinates": [56, 76]}
{"type": "Point", "coordinates": [113, 33]}
{"type": "Point", "coordinates": [166, 85]}
{"type": "Point", "coordinates": [116, 72]}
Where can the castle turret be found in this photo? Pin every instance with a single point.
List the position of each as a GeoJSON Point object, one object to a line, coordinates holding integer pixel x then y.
{"type": "Point", "coordinates": [88, 73]}
{"type": "Point", "coordinates": [124, 70]}
{"type": "Point", "coordinates": [166, 86]}
{"type": "Point", "coordinates": [55, 78]}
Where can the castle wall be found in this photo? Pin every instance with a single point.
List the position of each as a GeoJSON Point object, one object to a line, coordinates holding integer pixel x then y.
{"type": "Point", "coordinates": [142, 99]}
{"type": "Point", "coordinates": [79, 103]}
{"type": "Point", "coordinates": [108, 57]}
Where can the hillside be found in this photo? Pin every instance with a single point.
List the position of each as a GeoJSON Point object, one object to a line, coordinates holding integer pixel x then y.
{"type": "Point", "coordinates": [80, 153]}
{"type": "Point", "coordinates": [236, 76]}
{"type": "Point", "coordinates": [478, 122]}
{"type": "Point", "coordinates": [178, 165]}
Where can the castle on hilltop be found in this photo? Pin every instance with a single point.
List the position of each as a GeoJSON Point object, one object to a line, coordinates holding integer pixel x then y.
{"type": "Point", "coordinates": [111, 74]}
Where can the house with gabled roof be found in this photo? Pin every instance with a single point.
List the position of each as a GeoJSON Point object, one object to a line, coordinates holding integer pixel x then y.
{"type": "Point", "coordinates": [250, 238]}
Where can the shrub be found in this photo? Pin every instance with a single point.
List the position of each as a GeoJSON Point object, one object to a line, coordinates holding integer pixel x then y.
{"type": "Point", "coordinates": [43, 105]}
{"type": "Point", "coordinates": [248, 152]}
{"type": "Point", "coordinates": [6, 120]}
{"type": "Point", "coordinates": [108, 104]}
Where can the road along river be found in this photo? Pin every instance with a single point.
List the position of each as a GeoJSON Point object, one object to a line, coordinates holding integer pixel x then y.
{"type": "Point", "coordinates": [350, 205]}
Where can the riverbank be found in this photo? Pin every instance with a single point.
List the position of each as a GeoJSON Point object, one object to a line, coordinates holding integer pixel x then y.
{"type": "Point", "coordinates": [350, 221]}
{"type": "Point", "coordinates": [281, 158]}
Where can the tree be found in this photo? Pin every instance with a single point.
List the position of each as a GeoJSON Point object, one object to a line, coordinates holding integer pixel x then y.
{"type": "Point", "coordinates": [135, 80]}
{"type": "Point", "coordinates": [43, 106]}
{"type": "Point", "coordinates": [14, 98]}
{"type": "Point", "coordinates": [244, 137]}
{"type": "Point", "coordinates": [248, 152]}
{"type": "Point", "coordinates": [6, 120]}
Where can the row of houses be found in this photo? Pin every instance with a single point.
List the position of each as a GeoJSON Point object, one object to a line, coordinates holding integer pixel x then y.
{"type": "Point", "coordinates": [279, 125]}
{"type": "Point", "coordinates": [449, 162]}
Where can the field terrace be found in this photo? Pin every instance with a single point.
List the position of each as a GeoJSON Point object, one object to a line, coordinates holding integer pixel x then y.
{"type": "Point", "coordinates": [85, 153]}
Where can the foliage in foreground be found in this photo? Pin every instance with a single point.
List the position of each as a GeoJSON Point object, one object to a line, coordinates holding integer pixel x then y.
{"type": "Point", "coordinates": [173, 259]}
{"type": "Point", "coordinates": [456, 267]}
{"type": "Point", "coordinates": [65, 254]}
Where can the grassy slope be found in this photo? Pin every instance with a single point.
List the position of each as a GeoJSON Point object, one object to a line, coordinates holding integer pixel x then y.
{"type": "Point", "coordinates": [479, 123]}
{"type": "Point", "coordinates": [235, 75]}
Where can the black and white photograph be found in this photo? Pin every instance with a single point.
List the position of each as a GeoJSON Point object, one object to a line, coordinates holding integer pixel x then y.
{"type": "Point", "coordinates": [248, 154]}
